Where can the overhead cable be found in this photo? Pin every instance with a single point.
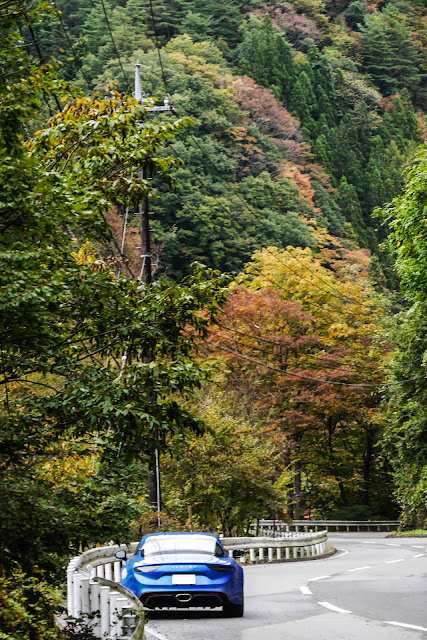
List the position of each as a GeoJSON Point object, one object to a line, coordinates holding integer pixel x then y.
{"type": "Point", "coordinates": [318, 380]}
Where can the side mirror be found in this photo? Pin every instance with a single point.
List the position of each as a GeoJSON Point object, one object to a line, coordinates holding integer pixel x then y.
{"type": "Point", "coordinates": [121, 555]}
{"type": "Point", "coordinates": [238, 553]}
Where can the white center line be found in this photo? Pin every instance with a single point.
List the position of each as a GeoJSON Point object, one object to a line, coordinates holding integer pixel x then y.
{"type": "Point", "coordinates": [368, 566]}
{"type": "Point", "coordinates": [391, 561]}
{"type": "Point", "coordinates": [156, 634]}
{"type": "Point", "coordinates": [417, 546]}
{"type": "Point", "coordinates": [368, 542]}
{"type": "Point", "coordinates": [318, 578]}
{"type": "Point", "coordinates": [305, 590]}
{"type": "Point", "coordinates": [392, 544]}
{"type": "Point", "coordinates": [408, 626]}
{"type": "Point", "coordinates": [419, 555]}
{"type": "Point", "coordinates": [333, 607]}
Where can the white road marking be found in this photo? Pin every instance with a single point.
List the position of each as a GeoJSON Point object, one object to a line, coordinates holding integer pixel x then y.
{"type": "Point", "coordinates": [338, 556]}
{"type": "Point", "coordinates": [318, 578]}
{"type": "Point", "coordinates": [368, 542]}
{"type": "Point", "coordinates": [391, 561]}
{"type": "Point", "coordinates": [368, 566]}
{"type": "Point", "coordinates": [392, 544]}
{"type": "Point", "coordinates": [305, 590]}
{"type": "Point", "coordinates": [333, 607]}
{"type": "Point", "coordinates": [408, 626]}
{"type": "Point", "coordinates": [419, 555]}
{"type": "Point", "coordinates": [156, 634]}
{"type": "Point", "coordinates": [417, 546]}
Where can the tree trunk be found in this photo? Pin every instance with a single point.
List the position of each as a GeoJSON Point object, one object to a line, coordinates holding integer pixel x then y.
{"type": "Point", "coordinates": [367, 464]}
{"type": "Point", "coordinates": [297, 490]}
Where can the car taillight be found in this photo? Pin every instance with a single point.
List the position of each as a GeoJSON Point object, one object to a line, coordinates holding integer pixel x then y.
{"type": "Point", "coordinates": [147, 569]}
{"type": "Point", "coordinates": [220, 568]}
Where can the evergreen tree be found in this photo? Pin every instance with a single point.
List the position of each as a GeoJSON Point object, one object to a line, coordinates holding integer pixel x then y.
{"type": "Point", "coordinates": [355, 15]}
{"type": "Point", "coordinates": [377, 52]}
{"type": "Point", "coordinates": [389, 55]}
{"type": "Point", "coordinates": [349, 204]}
{"type": "Point", "coordinates": [267, 58]}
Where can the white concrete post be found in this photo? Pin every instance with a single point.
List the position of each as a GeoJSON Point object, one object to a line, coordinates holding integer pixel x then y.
{"type": "Point", "coordinates": [252, 557]}
{"type": "Point", "coordinates": [100, 571]}
{"type": "Point", "coordinates": [117, 572]}
{"type": "Point", "coordinates": [95, 607]}
{"type": "Point", "coordinates": [122, 603]}
{"type": "Point", "coordinates": [270, 554]}
{"type": "Point", "coordinates": [108, 571]}
{"type": "Point", "coordinates": [287, 553]}
{"type": "Point", "coordinates": [261, 554]}
{"type": "Point", "coordinates": [77, 607]}
{"type": "Point", "coordinates": [70, 575]}
{"type": "Point", "coordinates": [114, 631]}
{"type": "Point", "coordinates": [279, 553]}
{"type": "Point", "coordinates": [84, 594]}
{"type": "Point", "coordinates": [104, 608]}
{"type": "Point", "coordinates": [129, 624]}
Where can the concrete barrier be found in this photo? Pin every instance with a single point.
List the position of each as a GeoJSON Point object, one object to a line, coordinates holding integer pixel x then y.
{"type": "Point", "coordinates": [94, 583]}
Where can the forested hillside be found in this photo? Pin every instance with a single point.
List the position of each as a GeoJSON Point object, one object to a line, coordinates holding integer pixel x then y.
{"type": "Point", "coordinates": [310, 104]}
{"type": "Point", "coordinates": [277, 360]}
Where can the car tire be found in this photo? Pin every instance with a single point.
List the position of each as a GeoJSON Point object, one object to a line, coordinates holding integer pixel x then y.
{"type": "Point", "coordinates": [232, 610]}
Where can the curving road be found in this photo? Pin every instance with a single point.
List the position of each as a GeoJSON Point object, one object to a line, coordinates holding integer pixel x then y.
{"type": "Point", "coordinates": [375, 588]}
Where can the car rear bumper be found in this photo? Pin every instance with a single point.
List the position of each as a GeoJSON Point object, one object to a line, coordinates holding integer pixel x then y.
{"type": "Point", "coordinates": [184, 599]}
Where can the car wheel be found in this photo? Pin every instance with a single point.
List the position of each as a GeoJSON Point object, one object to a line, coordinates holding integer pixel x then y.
{"type": "Point", "coordinates": [231, 610]}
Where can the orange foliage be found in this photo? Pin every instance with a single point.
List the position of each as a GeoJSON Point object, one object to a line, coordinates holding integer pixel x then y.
{"type": "Point", "coordinates": [302, 180]}
{"type": "Point", "coordinates": [271, 117]}
{"type": "Point", "coordinates": [297, 27]}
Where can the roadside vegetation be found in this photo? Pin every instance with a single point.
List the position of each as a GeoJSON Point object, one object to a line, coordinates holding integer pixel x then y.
{"type": "Point", "coordinates": [278, 360]}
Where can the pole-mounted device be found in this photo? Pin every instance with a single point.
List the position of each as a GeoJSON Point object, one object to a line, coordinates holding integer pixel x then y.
{"type": "Point", "coordinates": [154, 487]}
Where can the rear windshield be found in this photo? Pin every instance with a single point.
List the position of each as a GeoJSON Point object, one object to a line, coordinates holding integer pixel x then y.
{"type": "Point", "coordinates": [179, 544]}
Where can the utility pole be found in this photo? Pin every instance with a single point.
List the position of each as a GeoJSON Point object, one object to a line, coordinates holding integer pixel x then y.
{"type": "Point", "coordinates": [145, 276]}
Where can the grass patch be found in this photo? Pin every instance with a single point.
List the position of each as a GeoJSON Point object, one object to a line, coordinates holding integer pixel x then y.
{"type": "Point", "coordinates": [420, 533]}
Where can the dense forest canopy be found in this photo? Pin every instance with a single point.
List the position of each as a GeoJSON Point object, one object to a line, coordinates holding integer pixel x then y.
{"type": "Point", "coordinates": [283, 337]}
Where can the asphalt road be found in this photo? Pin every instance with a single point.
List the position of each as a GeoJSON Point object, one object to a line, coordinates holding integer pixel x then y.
{"type": "Point", "coordinates": [374, 588]}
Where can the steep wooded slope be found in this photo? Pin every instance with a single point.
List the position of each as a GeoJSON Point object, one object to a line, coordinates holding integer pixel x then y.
{"type": "Point", "coordinates": [304, 115]}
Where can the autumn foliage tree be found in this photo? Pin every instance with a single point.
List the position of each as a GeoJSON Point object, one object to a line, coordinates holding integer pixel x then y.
{"type": "Point", "coordinates": [298, 345]}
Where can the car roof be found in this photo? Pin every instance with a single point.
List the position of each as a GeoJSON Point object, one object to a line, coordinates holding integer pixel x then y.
{"type": "Point", "coordinates": [180, 533]}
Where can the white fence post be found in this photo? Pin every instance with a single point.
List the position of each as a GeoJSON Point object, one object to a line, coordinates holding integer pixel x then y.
{"type": "Point", "coordinates": [77, 606]}
{"type": "Point", "coordinates": [104, 608]}
{"type": "Point", "coordinates": [95, 607]}
{"type": "Point", "coordinates": [84, 595]}
{"type": "Point", "coordinates": [117, 572]}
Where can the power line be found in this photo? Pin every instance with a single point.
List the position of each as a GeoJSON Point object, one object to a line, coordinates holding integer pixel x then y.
{"type": "Point", "coordinates": [318, 380]}
{"type": "Point", "coordinates": [252, 266]}
{"type": "Point", "coordinates": [156, 38]}
{"type": "Point", "coordinates": [257, 215]}
{"type": "Point", "coordinates": [114, 44]}
{"type": "Point", "coordinates": [67, 36]}
{"type": "Point", "coordinates": [277, 343]}
{"type": "Point", "coordinates": [254, 212]}
{"type": "Point", "coordinates": [40, 56]}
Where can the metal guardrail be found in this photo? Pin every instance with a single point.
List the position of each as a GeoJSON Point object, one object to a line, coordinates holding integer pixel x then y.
{"type": "Point", "coordinates": [94, 579]}
{"type": "Point", "coordinates": [276, 527]}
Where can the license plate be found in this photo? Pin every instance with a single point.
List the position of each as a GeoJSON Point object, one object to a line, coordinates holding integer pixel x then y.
{"type": "Point", "coordinates": [183, 578]}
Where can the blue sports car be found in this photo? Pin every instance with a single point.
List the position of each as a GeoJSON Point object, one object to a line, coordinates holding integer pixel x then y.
{"type": "Point", "coordinates": [185, 570]}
